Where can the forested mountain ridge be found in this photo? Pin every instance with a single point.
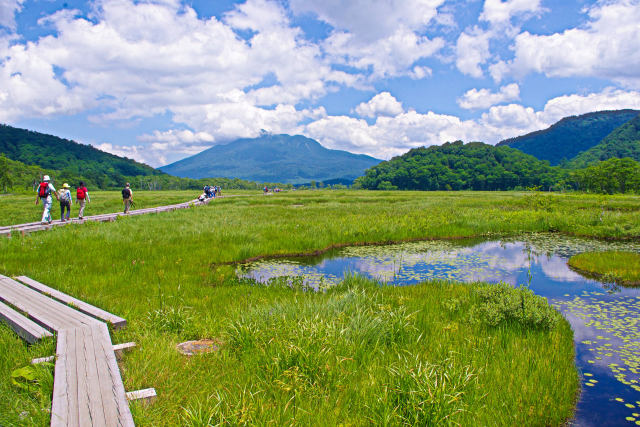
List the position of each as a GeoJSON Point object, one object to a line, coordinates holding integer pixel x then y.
{"type": "Point", "coordinates": [72, 158]}
{"type": "Point", "coordinates": [623, 142]}
{"type": "Point", "coordinates": [459, 166]}
{"type": "Point", "coordinates": [273, 158]}
{"type": "Point", "coordinates": [570, 136]}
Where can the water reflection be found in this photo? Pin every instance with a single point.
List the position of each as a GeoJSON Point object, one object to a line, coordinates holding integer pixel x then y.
{"type": "Point", "coordinates": [604, 317]}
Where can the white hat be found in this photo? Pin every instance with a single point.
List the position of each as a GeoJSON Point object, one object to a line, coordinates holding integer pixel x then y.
{"type": "Point", "coordinates": [46, 178]}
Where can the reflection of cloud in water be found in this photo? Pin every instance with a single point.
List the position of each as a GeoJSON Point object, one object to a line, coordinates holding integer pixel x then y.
{"type": "Point", "coordinates": [383, 271]}
{"type": "Point", "coordinates": [507, 256]}
{"type": "Point", "coordinates": [461, 264]}
{"type": "Point", "coordinates": [557, 268]}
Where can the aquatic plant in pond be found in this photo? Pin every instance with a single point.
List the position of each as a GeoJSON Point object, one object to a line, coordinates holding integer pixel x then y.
{"type": "Point", "coordinates": [614, 326]}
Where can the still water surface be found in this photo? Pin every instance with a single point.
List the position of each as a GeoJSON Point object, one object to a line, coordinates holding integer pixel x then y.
{"type": "Point", "coordinates": [605, 318]}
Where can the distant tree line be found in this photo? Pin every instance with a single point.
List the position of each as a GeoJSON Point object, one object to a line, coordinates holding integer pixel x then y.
{"type": "Point", "coordinates": [459, 166]}
{"type": "Point", "coordinates": [609, 177]}
{"type": "Point", "coordinates": [478, 166]}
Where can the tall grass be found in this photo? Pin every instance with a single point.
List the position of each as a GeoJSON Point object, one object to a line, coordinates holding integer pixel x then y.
{"type": "Point", "coordinates": [356, 354]}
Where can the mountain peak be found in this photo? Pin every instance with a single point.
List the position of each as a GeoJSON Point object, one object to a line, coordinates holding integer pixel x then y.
{"type": "Point", "coordinates": [273, 158]}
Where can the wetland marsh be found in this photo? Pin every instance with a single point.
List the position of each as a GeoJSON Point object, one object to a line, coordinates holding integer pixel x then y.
{"type": "Point", "coordinates": [358, 353]}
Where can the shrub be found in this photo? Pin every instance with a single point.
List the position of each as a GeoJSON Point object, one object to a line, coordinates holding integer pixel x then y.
{"type": "Point", "coordinates": [501, 303]}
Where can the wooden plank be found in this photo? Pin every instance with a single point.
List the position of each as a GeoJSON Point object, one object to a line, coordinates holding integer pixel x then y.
{"type": "Point", "coordinates": [87, 388]}
{"type": "Point", "coordinates": [94, 358]}
{"type": "Point", "coordinates": [25, 328]}
{"type": "Point", "coordinates": [39, 311]}
{"type": "Point", "coordinates": [64, 405]}
{"type": "Point", "coordinates": [124, 413]}
{"type": "Point", "coordinates": [118, 349]}
{"type": "Point", "coordinates": [31, 299]}
{"type": "Point", "coordinates": [43, 310]}
{"type": "Point", "coordinates": [106, 387]}
{"type": "Point", "coordinates": [116, 321]}
{"type": "Point", "coordinates": [43, 360]}
{"type": "Point", "coordinates": [121, 348]}
{"type": "Point", "coordinates": [83, 411]}
{"type": "Point", "coordinates": [148, 394]}
{"type": "Point", "coordinates": [59, 403]}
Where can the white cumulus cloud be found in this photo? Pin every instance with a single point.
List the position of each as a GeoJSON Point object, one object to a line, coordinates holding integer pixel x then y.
{"type": "Point", "coordinates": [383, 36]}
{"type": "Point", "coordinates": [607, 47]}
{"type": "Point", "coordinates": [370, 20]}
{"type": "Point", "coordinates": [484, 98]}
{"type": "Point", "coordinates": [8, 10]}
{"type": "Point", "coordinates": [473, 47]}
{"type": "Point", "coordinates": [501, 12]}
{"type": "Point", "coordinates": [383, 104]}
{"type": "Point", "coordinates": [472, 50]}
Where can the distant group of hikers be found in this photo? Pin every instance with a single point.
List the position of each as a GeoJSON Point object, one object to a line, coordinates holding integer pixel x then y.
{"type": "Point", "coordinates": [46, 192]}
{"type": "Point", "coordinates": [265, 190]}
{"type": "Point", "coordinates": [210, 192]}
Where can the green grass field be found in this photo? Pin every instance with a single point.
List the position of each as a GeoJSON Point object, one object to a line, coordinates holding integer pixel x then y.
{"type": "Point", "coordinates": [358, 354]}
{"type": "Point", "coordinates": [615, 266]}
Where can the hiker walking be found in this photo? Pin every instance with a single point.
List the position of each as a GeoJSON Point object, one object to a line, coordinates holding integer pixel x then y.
{"type": "Point", "coordinates": [127, 197]}
{"type": "Point", "coordinates": [64, 197]}
{"type": "Point", "coordinates": [82, 196]}
{"type": "Point", "coordinates": [45, 190]}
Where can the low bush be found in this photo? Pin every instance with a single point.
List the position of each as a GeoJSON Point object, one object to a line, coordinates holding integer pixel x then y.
{"type": "Point", "coordinates": [501, 303]}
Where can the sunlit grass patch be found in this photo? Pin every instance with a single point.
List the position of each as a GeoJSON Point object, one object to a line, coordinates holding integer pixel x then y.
{"type": "Point", "coordinates": [613, 266]}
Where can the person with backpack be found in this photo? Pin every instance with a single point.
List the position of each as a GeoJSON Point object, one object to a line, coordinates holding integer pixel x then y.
{"type": "Point", "coordinates": [64, 197]}
{"type": "Point", "coordinates": [127, 197]}
{"type": "Point", "coordinates": [82, 196]}
{"type": "Point", "coordinates": [45, 190]}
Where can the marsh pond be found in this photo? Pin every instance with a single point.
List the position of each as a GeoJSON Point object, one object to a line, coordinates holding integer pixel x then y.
{"type": "Point", "coordinates": [605, 317]}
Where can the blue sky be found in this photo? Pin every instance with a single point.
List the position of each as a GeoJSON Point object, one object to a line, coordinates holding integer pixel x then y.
{"type": "Point", "coordinates": [159, 80]}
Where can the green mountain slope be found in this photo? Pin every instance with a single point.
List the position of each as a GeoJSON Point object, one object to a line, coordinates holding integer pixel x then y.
{"type": "Point", "coordinates": [51, 152]}
{"type": "Point", "coordinates": [570, 136]}
{"type": "Point", "coordinates": [458, 166]}
{"type": "Point", "coordinates": [273, 158]}
{"type": "Point", "coordinates": [623, 142]}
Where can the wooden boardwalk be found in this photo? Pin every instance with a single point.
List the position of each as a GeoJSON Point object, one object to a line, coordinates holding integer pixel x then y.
{"type": "Point", "coordinates": [37, 226]}
{"type": "Point", "coordinates": [87, 387]}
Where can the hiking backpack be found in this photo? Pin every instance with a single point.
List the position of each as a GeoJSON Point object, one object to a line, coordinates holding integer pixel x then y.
{"type": "Point", "coordinates": [81, 193]}
{"type": "Point", "coordinates": [126, 193]}
{"type": "Point", "coordinates": [43, 190]}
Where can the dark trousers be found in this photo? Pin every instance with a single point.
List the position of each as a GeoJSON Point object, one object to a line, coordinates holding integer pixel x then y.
{"type": "Point", "coordinates": [64, 205]}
